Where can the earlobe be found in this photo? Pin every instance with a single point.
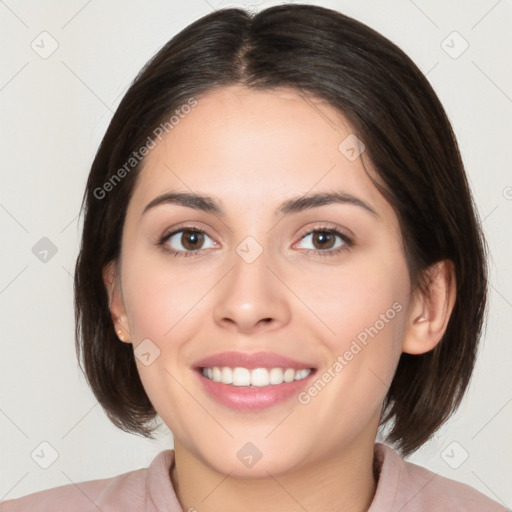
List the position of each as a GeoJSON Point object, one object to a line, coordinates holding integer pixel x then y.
{"type": "Point", "coordinates": [116, 304]}
{"type": "Point", "coordinates": [431, 309]}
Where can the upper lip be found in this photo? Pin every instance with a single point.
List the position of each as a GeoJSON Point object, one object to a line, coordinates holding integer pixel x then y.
{"type": "Point", "coordinates": [251, 361]}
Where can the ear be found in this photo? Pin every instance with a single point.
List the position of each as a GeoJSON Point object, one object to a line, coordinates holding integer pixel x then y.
{"type": "Point", "coordinates": [116, 303]}
{"type": "Point", "coordinates": [431, 309]}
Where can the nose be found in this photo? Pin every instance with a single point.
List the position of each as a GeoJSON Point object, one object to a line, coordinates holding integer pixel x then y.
{"type": "Point", "coordinates": [252, 298]}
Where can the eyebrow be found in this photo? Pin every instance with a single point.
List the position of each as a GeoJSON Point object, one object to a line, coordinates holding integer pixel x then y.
{"type": "Point", "coordinates": [294, 205]}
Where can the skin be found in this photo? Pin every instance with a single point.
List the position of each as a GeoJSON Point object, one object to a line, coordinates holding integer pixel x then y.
{"type": "Point", "coordinates": [252, 150]}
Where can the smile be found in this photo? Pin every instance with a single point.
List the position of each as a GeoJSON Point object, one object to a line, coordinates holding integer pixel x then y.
{"type": "Point", "coordinates": [256, 377]}
{"type": "Point", "coordinates": [255, 381]}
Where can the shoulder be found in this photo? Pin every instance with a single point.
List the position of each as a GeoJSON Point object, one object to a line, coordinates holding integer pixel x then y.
{"type": "Point", "coordinates": [125, 492]}
{"type": "Point", "coordinates": [408, 487]}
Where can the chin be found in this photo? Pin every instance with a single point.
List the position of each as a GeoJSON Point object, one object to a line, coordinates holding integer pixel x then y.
{"type": "Point", "coordinates": [247, 460]}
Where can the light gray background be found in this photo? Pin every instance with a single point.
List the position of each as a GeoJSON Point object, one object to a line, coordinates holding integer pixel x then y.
{"type": "Point", "coordinates": [54, 111]}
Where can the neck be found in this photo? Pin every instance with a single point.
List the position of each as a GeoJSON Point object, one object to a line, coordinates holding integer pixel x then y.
{"type": "Point", "coordinates": [344, 482]}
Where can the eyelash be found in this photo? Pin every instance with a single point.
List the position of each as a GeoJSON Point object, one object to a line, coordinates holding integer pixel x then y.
{"type": "Point", "coordinates": [347, 241]}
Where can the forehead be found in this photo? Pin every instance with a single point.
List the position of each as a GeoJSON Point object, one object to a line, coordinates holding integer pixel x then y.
{"type": "Point", "coordinates": [252, 148]}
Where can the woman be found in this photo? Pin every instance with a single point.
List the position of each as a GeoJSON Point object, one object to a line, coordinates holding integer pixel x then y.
{"type": "Point", "coordinates": [280, 255]}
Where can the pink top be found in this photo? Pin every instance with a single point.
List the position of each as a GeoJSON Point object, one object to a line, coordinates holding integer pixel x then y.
{"type": "Point", "coordinates": [402, 486]}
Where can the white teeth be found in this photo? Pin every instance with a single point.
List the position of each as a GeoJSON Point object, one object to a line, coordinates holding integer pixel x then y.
{"type": "Point", "coordinates": [227, 375]}
{"type": "Point", "coordinates": [241, 377]}
{"type": "Point", "coordinates": [289, 375]}
{"type": "Point", "coordinates": [300, 374]}
{"type": "Point", "coordinates": [217, 374]}
{"type": "Point", "coordinates": [276, 376]}
{"type": "Point", "coordinates": [258, 377]}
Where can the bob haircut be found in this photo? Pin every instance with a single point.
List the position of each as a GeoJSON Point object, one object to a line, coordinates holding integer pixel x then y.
{"type": "Point", "coordinates": [392, 109]}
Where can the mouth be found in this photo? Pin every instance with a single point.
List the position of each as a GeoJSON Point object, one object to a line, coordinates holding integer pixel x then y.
{"type": "Point", "coordinates": [252, 382]}
{"type": "Point", "coordinates": [257, 377]}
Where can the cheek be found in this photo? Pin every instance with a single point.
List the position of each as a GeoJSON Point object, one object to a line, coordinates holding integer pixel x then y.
{"type": "Point", "coordinates": [364, 310]}
{"type": "Point", "coordinates": [163, 306]}
{"type": "Point", "coordinates": [160, 301]}
{"type": "Point", "coordinates": [361, 302]}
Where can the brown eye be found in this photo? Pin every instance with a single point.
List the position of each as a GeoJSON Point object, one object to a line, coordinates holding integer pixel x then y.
{"type": "Point", "coordinates": [327, 241]}
{"type": "Point", "coordinates": [324, 240]}
{"type": "Point", "coordinates": [192, 240]}
{"type": "Point", "coordinates": [186, 241]}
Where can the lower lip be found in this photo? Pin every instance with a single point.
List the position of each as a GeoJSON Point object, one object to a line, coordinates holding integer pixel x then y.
{"type": "Point", "coordinates": [253, 398]}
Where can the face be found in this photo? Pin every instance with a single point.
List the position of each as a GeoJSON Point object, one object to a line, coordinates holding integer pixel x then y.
{"type": "Point", "coordinates": [309, 302]}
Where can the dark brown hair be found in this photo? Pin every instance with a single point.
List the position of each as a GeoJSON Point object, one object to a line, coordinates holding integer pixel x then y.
{"type": "Point", "coordinates": [394, 111]}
